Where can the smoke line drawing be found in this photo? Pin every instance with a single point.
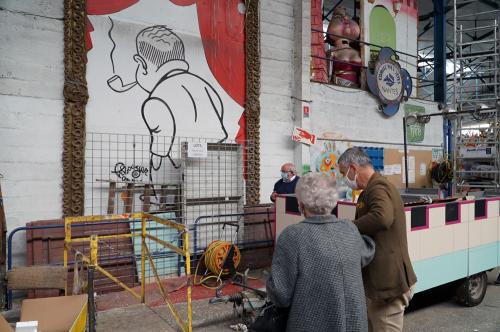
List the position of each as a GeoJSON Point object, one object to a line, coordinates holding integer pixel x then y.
{"type": "Point", "coordinates": [114, 44]}
{"type": "Point", "coordinates": [178, 101]}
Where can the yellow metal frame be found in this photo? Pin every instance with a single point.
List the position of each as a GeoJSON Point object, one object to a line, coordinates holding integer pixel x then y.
{"type": "Point", "coordinates": [145, 253]}
{"type": "Point", "coordinates": [81, 321]}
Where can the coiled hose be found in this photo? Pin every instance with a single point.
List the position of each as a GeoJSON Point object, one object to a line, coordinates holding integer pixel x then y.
{"type": "Point", "coordinates": [214, 257]}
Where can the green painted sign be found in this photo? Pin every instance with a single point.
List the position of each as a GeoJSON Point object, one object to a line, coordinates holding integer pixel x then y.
{"type": "Point", "coordinates": [382, 29]}
{"type": "Point", "coordinates": [306, 168]}
{"type": "Point", "coordinates": [415, 133]}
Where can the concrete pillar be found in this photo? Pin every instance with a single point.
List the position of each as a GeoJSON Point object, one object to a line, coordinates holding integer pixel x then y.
{"type": "Point", "coordinates": [302, 85]}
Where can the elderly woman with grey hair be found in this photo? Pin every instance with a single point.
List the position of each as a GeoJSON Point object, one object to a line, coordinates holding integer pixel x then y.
{"type": "Point", "coordinates": [316, 269]}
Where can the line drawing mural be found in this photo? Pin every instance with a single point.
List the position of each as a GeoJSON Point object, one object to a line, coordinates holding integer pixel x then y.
{"type": "Point", "coordinates": [175, 68]}
{"type": "Point", "coordinates": [114, 44]}
{"type": "Point", "coordinates": [174, 92]}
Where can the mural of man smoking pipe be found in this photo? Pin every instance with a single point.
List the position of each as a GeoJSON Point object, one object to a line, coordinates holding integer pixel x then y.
{"type": "Point", "coordinates": [179, 102]}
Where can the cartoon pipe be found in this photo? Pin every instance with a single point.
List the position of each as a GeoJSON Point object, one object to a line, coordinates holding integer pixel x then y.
{"type": "Point", "coordinates": [116, 84]}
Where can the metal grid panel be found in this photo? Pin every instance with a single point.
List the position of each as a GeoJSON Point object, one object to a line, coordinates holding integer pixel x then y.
{"type": "Point", "coordinates": [124, 174]}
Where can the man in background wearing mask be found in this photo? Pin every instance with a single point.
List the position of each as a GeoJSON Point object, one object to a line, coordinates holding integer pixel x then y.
{"type": "Point", "coordinates": [389, 279]}
{"type": "Point", "coordinates": [288, 181]}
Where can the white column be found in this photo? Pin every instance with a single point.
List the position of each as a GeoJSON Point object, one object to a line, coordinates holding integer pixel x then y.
{"type": "Point", "coordinates": [302, 86]}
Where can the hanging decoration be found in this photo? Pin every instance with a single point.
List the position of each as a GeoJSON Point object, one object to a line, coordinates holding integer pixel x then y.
{"type": "Point", "coordinates": [396, 6]}
{"type": "Point", "coordinates": [389, 82]}
{"type": "Point", "coordinates": [346, 61]}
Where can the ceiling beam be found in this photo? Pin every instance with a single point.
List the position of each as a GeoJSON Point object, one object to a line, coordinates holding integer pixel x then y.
{"type": "Point", "coordinates": [325, 17]}
{"type": "Point", "coordinates": [427, 16]}
{"type": "Point", "coordinates": [450, 23]}
{"type": "Point", "coordinates": [490, 3]}
{"type": "Point", "coordinates": [487, 34]}
{"type": "Point", "coordinates": [426, 28]}
{"type": "Point", "coordinates": [449, 56]}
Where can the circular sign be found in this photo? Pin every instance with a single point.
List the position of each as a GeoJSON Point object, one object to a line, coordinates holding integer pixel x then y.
{"type": "Point", "coordinates": [389, 82]}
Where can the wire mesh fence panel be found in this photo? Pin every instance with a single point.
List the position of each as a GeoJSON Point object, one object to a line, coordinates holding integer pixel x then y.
{"type": "Point", "coordinates": [180, 179]}
{"type": "Point", "coordinates": [213, 187]}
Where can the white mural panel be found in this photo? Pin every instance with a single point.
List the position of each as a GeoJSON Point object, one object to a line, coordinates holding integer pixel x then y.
{"type": "Point", "coordinates": [148, 74]}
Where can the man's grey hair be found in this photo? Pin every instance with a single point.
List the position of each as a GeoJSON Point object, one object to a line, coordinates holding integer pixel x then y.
{"type": "Point", "coordinates": [356, 156]}
{"type": "Point", "coordinates": [317, 193]}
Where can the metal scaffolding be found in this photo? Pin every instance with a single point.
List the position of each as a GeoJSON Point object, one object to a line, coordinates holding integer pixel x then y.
{"type": "Point", "coordinates": [476, 90]}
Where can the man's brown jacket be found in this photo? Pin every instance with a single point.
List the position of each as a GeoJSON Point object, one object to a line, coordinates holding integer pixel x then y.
{"type": "Point", "coordinates": [380, 214]}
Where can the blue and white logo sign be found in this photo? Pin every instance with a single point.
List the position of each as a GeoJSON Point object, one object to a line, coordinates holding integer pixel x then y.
{"type": "Point", "coordinates": [389, 82]}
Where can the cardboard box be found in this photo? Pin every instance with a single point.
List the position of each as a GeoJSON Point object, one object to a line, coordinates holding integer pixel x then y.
{"type": "Point", "coordinates": [4, 325]}
{"type": "Point", "coordinates": [56, 314]}
{"type": "Point", "coordinates": [27, 326]}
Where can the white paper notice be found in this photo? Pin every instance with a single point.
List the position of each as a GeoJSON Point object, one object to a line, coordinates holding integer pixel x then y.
{"type": "Point", "coordinates": [197, 150]}
{"type": "Point", "coordinates": [423, 169]}
{"type": "Point", "coordinates": [411, 162]}
{"type": "Point", "coordinates": [396, 169]}
{"type": "Point", "coordinates": [411, 170]}
{"type": "Point", "coordinates": [437, 154]}
{"type": "Point", "coordinates": [411, 176]}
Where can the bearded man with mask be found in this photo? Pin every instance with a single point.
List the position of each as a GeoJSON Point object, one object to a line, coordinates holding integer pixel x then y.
{"type": "Point", "coordinates": [288, 181]}
{"type": "Point", "coordinates": [389, 279]}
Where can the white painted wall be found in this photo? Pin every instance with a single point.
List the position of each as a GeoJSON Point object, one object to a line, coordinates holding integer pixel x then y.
{"type": "Point", "coordinates": [354, 114]}
{"type": "Point", "coordinates": [31, 109]}
{"type": "Point", "coordinates": [277, 85]}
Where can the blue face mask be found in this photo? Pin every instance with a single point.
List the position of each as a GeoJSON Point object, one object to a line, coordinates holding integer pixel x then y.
{"type": "Point", "coordinates": [284, 176]}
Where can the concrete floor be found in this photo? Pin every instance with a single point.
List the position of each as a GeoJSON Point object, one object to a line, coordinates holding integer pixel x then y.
{"type": "Point", "coordinates": [206, 318]}
{"type": "Point", "coordinates": [444, 315]}
{"type": "Point", "coordinates": [429, 312]}
{"type": "Point", "coordinates": [433, 313]}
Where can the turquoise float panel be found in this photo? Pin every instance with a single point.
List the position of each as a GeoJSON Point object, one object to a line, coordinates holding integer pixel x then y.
{"type": "Point", "coordinates": [440, 270]}
{"type": "Point", "coordinates": [483, 257]}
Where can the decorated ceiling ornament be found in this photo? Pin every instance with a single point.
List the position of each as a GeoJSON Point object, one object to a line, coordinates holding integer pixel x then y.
{"type": "Point", "coordinates": [389, 82]}
{"type": "Point", "coordinates": [342, 26]}
{"type": "Point", "coordinates": [396, 4]}
{"type": "Point", "coordinates": [346, 60]}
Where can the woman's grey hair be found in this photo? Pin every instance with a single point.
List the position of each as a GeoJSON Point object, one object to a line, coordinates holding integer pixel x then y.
{"type": "Point", "coordinates": [317, 193]}
{"type": "Point", "coordinates": [356, 156]}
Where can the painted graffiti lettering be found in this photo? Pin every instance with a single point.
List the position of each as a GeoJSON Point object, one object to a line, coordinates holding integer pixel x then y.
{"type": "Point", "coordinates": [129, 173]}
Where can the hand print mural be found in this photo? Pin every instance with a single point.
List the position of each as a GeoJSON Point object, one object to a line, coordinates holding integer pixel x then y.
{"type": "Point", "coordinates": [324, 156]}
{"type": "Point", "coordinates": [326, 161]}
